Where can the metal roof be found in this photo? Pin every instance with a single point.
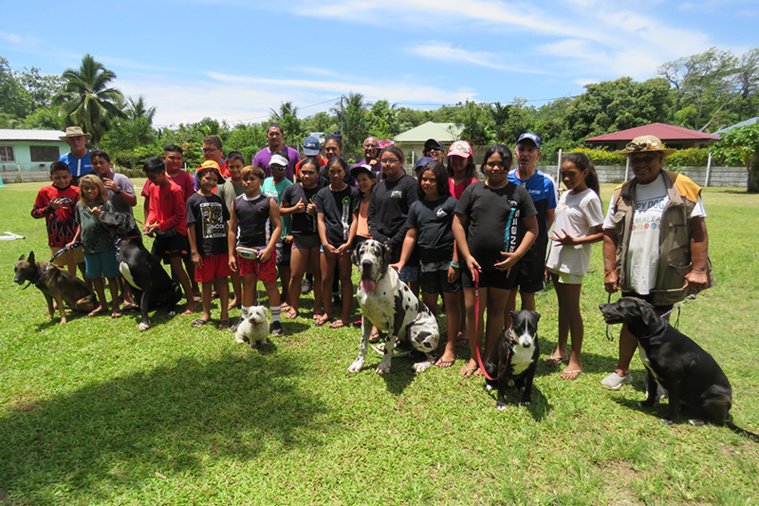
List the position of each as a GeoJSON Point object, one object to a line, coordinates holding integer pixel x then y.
{"type": "Point", "coordinates": [442, 132]}
{"type": "Point", "coordinates": [661, 130]}
{"type": "Point", "coordinates": [748, 122]}
{"type": "Point", "coordinates": [30, 135]}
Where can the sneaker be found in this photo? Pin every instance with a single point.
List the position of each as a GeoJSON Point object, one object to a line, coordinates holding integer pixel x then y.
{"type": "Point", "coordinates": [233, 328]}
{"type": "Point", "coordinates": [276, 329]}
{"type": "Point", "coordinates": [614, 381]}
{"type": "Point", "coordinates": [306, 286]}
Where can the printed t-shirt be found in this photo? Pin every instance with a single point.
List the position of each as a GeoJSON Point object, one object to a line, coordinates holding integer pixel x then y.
{"type": "Point", "coordinates": [432, 221]}
{"type": "Point", "coordinates": [302, 223]}
{"type": "Point", "coordinates": [494, 220]}
{"type": "Point", "coordinates": [210, 216]}
{"type": "Point", "coordinates": [59, 223]}
{"type": "Point", "coordinates": [338, 208]}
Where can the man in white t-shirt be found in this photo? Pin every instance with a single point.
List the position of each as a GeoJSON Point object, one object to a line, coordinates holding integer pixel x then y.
{"type": "Point", "coordinates": [656, 215]}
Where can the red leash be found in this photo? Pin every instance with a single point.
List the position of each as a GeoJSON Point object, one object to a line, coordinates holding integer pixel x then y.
{"type": "Point", "coordinates": [477, 341]}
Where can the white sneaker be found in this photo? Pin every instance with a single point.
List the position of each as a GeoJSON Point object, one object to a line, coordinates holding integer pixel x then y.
{"type": "Point", "coordinates": [614, 381]}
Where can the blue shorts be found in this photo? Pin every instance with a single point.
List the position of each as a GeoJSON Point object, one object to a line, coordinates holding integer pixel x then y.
{"type": "Point", "coordinates": [409, 273]}
{"type": "Point", "coordinates": [101, 264]}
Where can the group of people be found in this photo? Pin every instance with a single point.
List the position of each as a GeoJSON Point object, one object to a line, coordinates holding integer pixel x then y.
{"type": "Point", "coordinates": [448, 231]}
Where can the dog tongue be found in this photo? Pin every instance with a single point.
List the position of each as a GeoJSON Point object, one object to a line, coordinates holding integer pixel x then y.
{"type": "Point", "coordinates": [367, 285]}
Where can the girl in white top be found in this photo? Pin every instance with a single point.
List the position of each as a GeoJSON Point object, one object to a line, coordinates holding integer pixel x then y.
{"type": "Point", "coordinates": [578, 224]}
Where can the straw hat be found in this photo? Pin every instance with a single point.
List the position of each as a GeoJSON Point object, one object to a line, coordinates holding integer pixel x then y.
{"type": "Point", "coordinates": [646, 144]}
{"type": "Point", "coordinates": [74, 131]}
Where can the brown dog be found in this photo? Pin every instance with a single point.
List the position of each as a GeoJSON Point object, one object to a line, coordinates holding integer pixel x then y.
{"type": "Point", "coordinates": [55, 284]}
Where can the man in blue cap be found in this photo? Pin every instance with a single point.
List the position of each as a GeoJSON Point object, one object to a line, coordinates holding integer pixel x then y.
{"type": "Point", "coordinates": [542, 189]}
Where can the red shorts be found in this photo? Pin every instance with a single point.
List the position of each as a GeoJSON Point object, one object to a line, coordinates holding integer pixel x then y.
{"type": "Point", "coordinates": [265, 271]}
{"type": "Point", "coordinates": [215, 266]}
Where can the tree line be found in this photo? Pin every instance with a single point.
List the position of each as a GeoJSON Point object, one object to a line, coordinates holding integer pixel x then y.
{"type": "Point", "coordinates": [705, 91]}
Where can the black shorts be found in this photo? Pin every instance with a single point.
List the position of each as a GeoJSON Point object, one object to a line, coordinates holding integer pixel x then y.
{"type": "Point", "coordinates": [489, 279]}
{"type": "Point", "coordinates": [284, 250]}
{"type": "Point", "coordinates": [166, 248]}
{"type": "Point", "coordinates": [530, 271]}
{"type": "Point", "coordinates": [437, 282]}
{"type": "Point", "coordinates": [650, 299]}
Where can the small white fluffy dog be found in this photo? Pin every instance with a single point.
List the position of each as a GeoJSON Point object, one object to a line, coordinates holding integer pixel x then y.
{"type": "Point", "coordinates": [255, 328]}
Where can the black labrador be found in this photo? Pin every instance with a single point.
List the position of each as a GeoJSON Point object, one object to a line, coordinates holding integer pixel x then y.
{"type": "Point", "coordinates": [152, 285]}
{"type": "Point", "coordinates": [689, 374]}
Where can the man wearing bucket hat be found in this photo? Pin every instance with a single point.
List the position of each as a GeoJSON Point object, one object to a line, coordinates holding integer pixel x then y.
{"type": "Point", "coordinates": [78, 159]}
{"type": "Point", "coordinates": [655, 241]}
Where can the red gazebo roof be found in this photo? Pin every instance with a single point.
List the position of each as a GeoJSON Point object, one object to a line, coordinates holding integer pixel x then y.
{"type": "Point", "coordinates": [661, 130]}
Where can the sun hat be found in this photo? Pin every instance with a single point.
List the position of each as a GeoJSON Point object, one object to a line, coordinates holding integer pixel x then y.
{"type": "Point", "coordinates": [460, 148]}
{"type": "Point", "coordinates": [311, 146]}
{"type": "Point", "coordinates": [364, 168]}
{"type": "Point", "coordinates": [74, 131]}
{"type": "Point", "coordinates": [646, 144]}
{"type": "Point", "coordinates": [210, 164]}
{"type": "Point", "coordinates": [530, 137]}
{"type": "Point", "coordinates": [278, 160]}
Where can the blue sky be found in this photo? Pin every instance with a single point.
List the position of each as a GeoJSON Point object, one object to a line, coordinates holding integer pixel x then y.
{"type": "Point", "coordinates": [236, 59]}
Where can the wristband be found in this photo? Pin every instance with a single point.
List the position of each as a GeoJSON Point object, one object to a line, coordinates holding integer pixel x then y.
{"type": "Point", "coordinates": [455, 265]}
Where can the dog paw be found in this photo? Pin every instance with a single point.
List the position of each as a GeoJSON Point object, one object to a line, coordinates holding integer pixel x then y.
{"type": "Point", "coordinates": [488, 387]}
{"type": "Point", "coordinates": [696, 422]}
{"type": "Point", "coordinates": [383, 367]}
{"type": "Point", "coordinates": [143, 326]}
{"type": "Point", "coordinates": [667, 421]}
{"type": "Point", "coordinates": [500, 406]}
{"type": "Point", "coordinates": [421, 366]}
{"type": "Point", "coordinates": [356, 366]}
{"type": "Point", "coordinates": [172, 313]}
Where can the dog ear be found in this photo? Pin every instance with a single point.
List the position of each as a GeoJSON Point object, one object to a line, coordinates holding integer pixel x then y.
{"type": "Point", "coordinates": [387, 257]}
{"type": "Point", "coordinates": [648, 315]}
{"type": "Point", "coordinates": [513, 315]}
{"type": "Point", "coordinates": [22, 257]}
{"type": "Point", "coordinates": [354, 256]}
{"type": "Point", "coordinates": [536, 315]}
{"type": "Point", "coordinates": [31, 257]}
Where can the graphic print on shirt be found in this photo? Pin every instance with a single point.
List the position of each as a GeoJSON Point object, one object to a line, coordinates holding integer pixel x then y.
{"type": "Point", "coordinates": [511, 234]}
{"type": "Point", "coordinates": [212, 220]}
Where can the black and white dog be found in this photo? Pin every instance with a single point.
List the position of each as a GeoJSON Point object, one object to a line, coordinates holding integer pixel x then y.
{"type": "Point", "coordinates": [152, 285]}
{"type": "Point", "coordinates": [689, 374]}
{"type": "Point", "coordinates": [391, 306]}
{"type": "Point", "coordinates": [516, 356]}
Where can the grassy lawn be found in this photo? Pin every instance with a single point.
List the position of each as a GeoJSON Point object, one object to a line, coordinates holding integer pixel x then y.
{"type": "Point", "coordinates": [95, 412]}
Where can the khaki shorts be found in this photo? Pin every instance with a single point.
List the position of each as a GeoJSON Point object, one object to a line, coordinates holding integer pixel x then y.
{"type": "Point", "coordinates": [72, 256]}
{"type": "Point", "coordinates": [566, 278]}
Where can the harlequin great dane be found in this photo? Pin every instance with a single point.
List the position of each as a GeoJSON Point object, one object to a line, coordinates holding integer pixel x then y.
{"type": "Point", "coordinates": [391, 306]}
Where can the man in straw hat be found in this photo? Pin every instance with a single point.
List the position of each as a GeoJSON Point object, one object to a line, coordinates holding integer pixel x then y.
{"type": "Point", "coordinates": [78, 159]}
{"type": "Point", "coordinates": [655, 241]}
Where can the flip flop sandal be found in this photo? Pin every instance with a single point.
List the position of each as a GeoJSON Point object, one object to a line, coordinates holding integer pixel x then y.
{"type": "Point", "coordinates": [445, 363]}
{"type": "Point", "coordinates": [556, 360]}
{"type": "Point", "coordinates": [337, 324]}
{"type": "Point", "coordinates": [223, 324]}
{"type": "Point", "coordinates": [375, 337]}
{"type": "Point", "coordinates": [199, 322]}
{"type": "Point", "coordinates": [291, 314]}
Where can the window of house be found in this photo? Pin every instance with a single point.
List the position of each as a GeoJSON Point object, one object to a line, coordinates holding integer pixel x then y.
{"type": "Point", "coordinates": [6, 154]}
{"type": "Point", "coordinates": [44, 153]}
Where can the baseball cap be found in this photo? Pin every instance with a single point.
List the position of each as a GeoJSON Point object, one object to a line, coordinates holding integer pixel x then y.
{"type": "Point", "coordinates": [422, 162]}
{"type": "Point", "coordinates": [210, 164]}
{"type": "Point", "coordinates": [460, 148]}
{"type": "Point", "coordinates": [531, 137]}
{"type": "Point", "coordinates": [278, 160]}
{"type": "Point", "coordinates": [432, 144]}
{"type": "Point", "coordinates": [311, 146]}
{"type": "Point", "coordinates": [364, 168]}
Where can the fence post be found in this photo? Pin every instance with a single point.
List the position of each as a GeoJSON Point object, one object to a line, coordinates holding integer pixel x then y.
{"type": "Point", "coordinates": [708, 169]}
{"type": "Point", "coordinates": [558, 167]}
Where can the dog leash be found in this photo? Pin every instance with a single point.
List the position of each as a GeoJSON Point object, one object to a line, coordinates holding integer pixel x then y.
{"type": "Point", "coordinates": [689, 298]}
{"type": "Point", "coordinates": [477, 341]}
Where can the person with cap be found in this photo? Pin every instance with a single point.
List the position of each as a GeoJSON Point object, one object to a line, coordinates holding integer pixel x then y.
{"type": "Point", "coordinates": [207, 217]}
{"type": "Point", "coordinates": [434, 150]}
{"type": "Point", "coordinates": [276, 137]}
{"type": "Point", "coordinates": [312, 148]}
{"type": "Point", "coordinates": [78, 159]}
{"type": "Point", "coordinates": [420, 164]}
{"type": "Point", "coordinates": [461, 168]}
{"type": "Point", "coordinates": [274, 187]}
{"type": "Point", "coordinates": [655, 244]}
{"type": "Point", "coordinates": [212, 150]}
{"type": "Point", "coordinates": [542, 188]}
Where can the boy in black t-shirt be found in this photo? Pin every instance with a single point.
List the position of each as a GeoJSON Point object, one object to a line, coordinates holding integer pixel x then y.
{"type": "Point", "coordinates": [207, 230]}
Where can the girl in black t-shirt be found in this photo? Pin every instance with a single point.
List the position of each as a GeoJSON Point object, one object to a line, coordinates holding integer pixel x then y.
{"type": "Point", "coordinates": [494, 226]}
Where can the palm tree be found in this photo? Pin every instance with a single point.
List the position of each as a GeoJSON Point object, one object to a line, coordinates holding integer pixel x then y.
{"type": "Point", "coordinates": [285, 108]}
{"type": "Point", "coordinates": [87, 100]}
{"type": "Point", "coordinates": [136, 109]}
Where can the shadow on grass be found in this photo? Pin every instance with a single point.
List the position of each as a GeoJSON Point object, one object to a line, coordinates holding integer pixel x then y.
{"type": "Point", "coordinates": [169, 420]}
{"type": "Point", "coordinates": [538, 407]}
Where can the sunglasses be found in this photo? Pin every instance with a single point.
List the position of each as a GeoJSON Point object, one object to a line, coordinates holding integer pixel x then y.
{"type": "Point", "coordinates": [279, 168]}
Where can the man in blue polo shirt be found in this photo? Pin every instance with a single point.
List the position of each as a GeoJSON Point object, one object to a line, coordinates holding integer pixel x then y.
{"type": "Point", "coordinates": [542, 189]}
{"type": "Point", "coordinates": [78, 159]}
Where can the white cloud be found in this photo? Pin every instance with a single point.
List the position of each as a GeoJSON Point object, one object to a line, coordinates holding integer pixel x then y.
{"type": "Point", "coordinates": [443, 51]}
{"type": "Point", "coordinates": [20, 40]}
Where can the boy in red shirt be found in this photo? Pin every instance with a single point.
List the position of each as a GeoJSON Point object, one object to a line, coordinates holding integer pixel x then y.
{"type": "Point", "coordinates": [56, 203]}
{"type": "Point", "coordinates": [167, 220]}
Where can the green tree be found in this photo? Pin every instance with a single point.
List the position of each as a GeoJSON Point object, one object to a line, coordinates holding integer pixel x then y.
{"type": "Point", "coordinates": [88, 100]}
{"type": "Point", "coordinates": [383, 119]}
{"type": "Point", "coordinates": [354, 121]}
{"type": "Point", "coordinates": [476, 124]}
{"type": "Point", "coordinates": [14, 101]}
{"type": "Point", "coordinates": [137, 109]}
{"type": "Point", "coordinates": [746, 138]}
{"type": "Point", "coordinates": [40, 88]}
{"type": "Point", "coordinates": [320, 122]}
{"type": "Point", "coordinates": [44, 118]}
{"type": "Point", "coordinates": [610, 106]}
